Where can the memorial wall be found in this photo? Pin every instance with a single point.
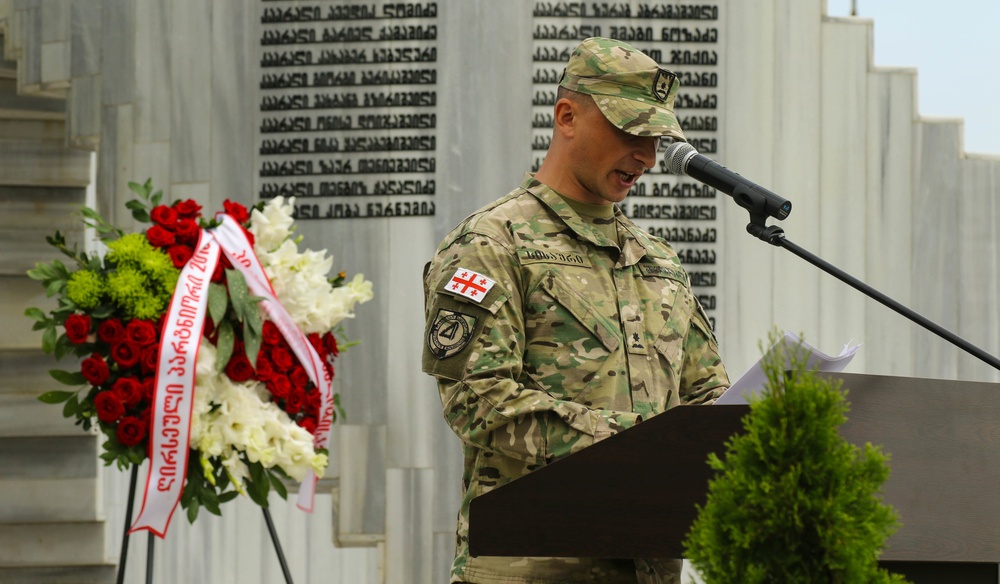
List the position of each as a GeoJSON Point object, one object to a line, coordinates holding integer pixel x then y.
{"type": "Point", "coordinates": [352, 102]}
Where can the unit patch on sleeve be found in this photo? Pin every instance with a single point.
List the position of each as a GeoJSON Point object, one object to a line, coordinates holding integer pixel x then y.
{"type": "Point", "coordinates": [472, 285]}
{"type": "Point", "coordinates": [450, 333]}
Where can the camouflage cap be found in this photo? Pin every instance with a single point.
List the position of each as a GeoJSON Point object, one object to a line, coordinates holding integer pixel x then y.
{"type": "Point", "coordinates": [630, 88]}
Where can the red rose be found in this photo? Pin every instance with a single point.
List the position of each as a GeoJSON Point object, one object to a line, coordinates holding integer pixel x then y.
{"type": "Point", "coordinates": [164, 216]}
{"type": "Point", "coordinates": [296, 399]}
{"type": "Point", "coordinates": [282, 359]}
{"type": "Point", "coordinates": [299, 377]}
{"type": "Point", "coordinates": [313, 401]}
{"type": "Point", "coordinates": [95, 370]}
{"type": "Point", "coordinates": [111, 331]}
{"type": "Point", "coordinates": [271, 335]}
{"type": "Point", "coordinates": [264, 369]}
{"type": "Point", "coordinates": [309, 424]}
{"type": "Point", "coordinates": [148, 388]}
{"type": "Point", "coordinates": [219, 273]}
{"type": "Point", "coordinates": [109, 407]}
{"type": "Point", "coordinates": [279, 386]}
{"type": "Point", "coordinates": [317, 343]}
{"type": "Point", "coordinates": [179, 254]}
{"type": "Point", "coordinates": [159, 237]}
{"type": "Point", "coordinates": [188, 209]}
{"type": "Point", "coordinates": [131, 431]}
{"type": "Point", "coordinates": [149, 358]}
{"type": "Point", "coordinates": [330, 342]}
{"type": "Point", "coordinates": [126, 354]}
{"type": "Point", "coordinates": [128, 390]}
{"type": "Point", "coordinates": [239, 368]}
{"type": "Point", "coordinates": [187, 232]}
{"type": "Point", "coordinates": [238, 211]}
{"type": "Point", "coordinates": [77, 328]}
{"type": "Point", "coordinates": [141, 332]}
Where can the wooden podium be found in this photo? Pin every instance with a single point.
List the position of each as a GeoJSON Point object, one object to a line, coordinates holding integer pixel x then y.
{"type": "Point", "coordinates": [634, 495]}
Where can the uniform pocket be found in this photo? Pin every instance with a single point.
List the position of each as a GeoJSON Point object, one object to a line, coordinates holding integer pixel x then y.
{"type": "Point", "coordinates": [569, 341]}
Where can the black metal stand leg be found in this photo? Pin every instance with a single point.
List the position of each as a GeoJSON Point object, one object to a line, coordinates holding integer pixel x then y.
{"type": "Point", "coordinates": [123, 557]}
{"type": "Point", "coordinates": [149, 557]}
{"type": "Point", "coordinates": [277, 545]}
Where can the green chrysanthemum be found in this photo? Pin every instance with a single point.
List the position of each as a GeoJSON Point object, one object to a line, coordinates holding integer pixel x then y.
{"type": "Point", "coordinates": [129, 250]}
{"type": "Point", "coordinates": [144, 279]}
{"type": "Point", "coordinates": [85, 289]}
{"type": "Point", "coordinates": [129, 289]}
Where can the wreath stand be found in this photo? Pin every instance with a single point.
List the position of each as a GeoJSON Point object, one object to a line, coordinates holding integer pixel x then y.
{"type": "Point", "coordinates": [151, 538]}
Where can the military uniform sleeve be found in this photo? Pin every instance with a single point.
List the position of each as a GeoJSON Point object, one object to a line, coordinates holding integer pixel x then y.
{"type": "Point", "coordinates": [474, 347]}
{"type": "Point", "coordinates": [703, 378]}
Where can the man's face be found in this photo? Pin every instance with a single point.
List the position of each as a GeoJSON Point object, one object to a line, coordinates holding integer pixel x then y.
{"type": "Point", "coordinates": [606, 162]}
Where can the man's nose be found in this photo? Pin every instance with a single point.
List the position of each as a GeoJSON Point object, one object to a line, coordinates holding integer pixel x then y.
{"type": "Point", "coordinates": [645, 150]}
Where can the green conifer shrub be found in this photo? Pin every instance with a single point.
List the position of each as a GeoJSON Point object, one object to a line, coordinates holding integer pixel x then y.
{"type": "Point", "coordinates": [792, 501]}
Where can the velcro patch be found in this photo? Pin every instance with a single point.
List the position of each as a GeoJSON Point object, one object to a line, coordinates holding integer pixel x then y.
{"type": "Point", "coordinates": [650, 269]}
{"type": "Point", "coordinates": [472, 285]}
{"type": "Point", "coordinates": [450, 332]}
{"type": "Point", "coordinates": [539, 256]}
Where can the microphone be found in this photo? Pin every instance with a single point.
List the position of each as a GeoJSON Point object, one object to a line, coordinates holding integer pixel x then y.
{"type": "Point", "coordinates": [682, 158]}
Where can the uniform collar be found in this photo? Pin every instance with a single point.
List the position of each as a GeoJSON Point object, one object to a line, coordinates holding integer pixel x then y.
{"type": "Point", "coordinates": [635, 243]}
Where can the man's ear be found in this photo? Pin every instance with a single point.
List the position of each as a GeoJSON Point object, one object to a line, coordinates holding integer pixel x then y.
{"type": "Point", "coordinates": [567, 114]}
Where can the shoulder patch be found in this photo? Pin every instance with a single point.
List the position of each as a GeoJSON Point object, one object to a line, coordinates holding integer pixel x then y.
{"type": "Point", "coordinates": [450, 332]}
{"type": "Point", "coordinates": [472, 285]}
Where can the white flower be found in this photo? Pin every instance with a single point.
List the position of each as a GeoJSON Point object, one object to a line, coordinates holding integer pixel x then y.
{"type": "Point", "coordinates": [272, 227]}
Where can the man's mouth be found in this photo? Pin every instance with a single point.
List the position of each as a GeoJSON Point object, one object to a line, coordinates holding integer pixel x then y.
{"type": "Point", "coordinates": [627, 178]}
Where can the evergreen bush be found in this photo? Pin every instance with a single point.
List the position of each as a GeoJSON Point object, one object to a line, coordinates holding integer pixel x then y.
{"type": "Point", "coordinates": [792, 501]}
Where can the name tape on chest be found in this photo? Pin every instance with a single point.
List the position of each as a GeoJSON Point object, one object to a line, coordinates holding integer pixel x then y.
{"type": "Point", "coordinates": [472, 285]}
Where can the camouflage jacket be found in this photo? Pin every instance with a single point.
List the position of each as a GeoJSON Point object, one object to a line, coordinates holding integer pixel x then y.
{"type": "Point", "coordinates": [545, 338]}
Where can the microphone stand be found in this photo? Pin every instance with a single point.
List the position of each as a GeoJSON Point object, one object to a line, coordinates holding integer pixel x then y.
{"type": "Point", "coordinates": [757, 205]}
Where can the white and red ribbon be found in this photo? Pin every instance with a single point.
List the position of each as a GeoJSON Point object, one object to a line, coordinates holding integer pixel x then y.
{"type": "Point", "coordinates": [175, 376]}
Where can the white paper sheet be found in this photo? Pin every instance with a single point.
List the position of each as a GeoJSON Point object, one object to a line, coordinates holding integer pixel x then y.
{"type": "Point", "coordinates": [753, 381]}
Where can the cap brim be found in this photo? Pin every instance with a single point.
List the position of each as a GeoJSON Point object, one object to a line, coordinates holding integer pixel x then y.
{"type": "Point", "coordinates": [639, 118]}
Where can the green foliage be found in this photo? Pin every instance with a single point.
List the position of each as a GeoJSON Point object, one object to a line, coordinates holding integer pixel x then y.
{"type": "Point", "coordinates": [793, 502]}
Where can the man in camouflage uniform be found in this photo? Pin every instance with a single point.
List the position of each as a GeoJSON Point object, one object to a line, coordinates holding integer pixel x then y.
{"type": "Point", "coordinates": [554, 322]}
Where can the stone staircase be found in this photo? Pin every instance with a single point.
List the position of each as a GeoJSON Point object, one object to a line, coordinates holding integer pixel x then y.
{"type": "Point", "coordinates": [51, 526]}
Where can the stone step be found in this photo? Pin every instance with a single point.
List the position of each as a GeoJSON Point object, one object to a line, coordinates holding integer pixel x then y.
{"type": "Point", "coordinates": [94, 574]}
{"type": "Point", "coordinates": [16, 294]}
{"type": "Point", "coordinates": [28, 215]}
{"type": "Point", "coordinates": [49, 457]}
{"type": "Point", "coordinates": [48, 500]}
{"type": "Point", "coordinates": [26, 371]}
{"type": "Point", "coordinates": [23, 415]}
{"type": "Point", "coordinates": [52, 544]}
{"type": "Point", "coordinates": [43, 163]}
{"type": "Point", "coordinates": [15, 105]}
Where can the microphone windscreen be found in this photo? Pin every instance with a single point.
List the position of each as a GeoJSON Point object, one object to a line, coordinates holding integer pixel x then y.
{"type": "Point", "coordinates": [677, 156]}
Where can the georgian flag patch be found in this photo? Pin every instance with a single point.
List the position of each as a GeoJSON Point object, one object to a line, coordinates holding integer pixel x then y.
{"type": "Point", "coordinates": [472, 285]}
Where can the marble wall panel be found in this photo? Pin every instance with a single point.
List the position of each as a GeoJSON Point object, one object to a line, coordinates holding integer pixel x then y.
{"type": "Point", "coordinates": [888, 217]}
{"type": "Point", "coordinates": [86, 17]}
{"type": "Point", "coordinates": [190, 89]}
{"type": "Point", "coordinates": [978, 254]}
{"type": "Point", "coordinates": [116, 165]}
{"type": "Point", "coordinates": [154, 37]}
{"type": "Point", "coordinates": [846, 58]}
{"type": "Point", "coordinates": [413, 396]}
{"type": "Point", "coordinates": [27, 22]}
{"type": "Point", "coordinates": [118, 52]}
{"type": "Point", "coordinates": [935, 269]}
{"type": "Point", "coordinates": [232, 105]}
{"type": "Point", "coordinates": [83, 112]}
{"type": "Point", "coordinates": [481, 136]}
{"type": "Point", "coordinates": [362, 497]}
{"type": "Point", "coordinates": [797, 99]}
{"type": "Point", "coordinates": [748, 149]}
{"type": "Point", "coordinates": [409, 542]}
